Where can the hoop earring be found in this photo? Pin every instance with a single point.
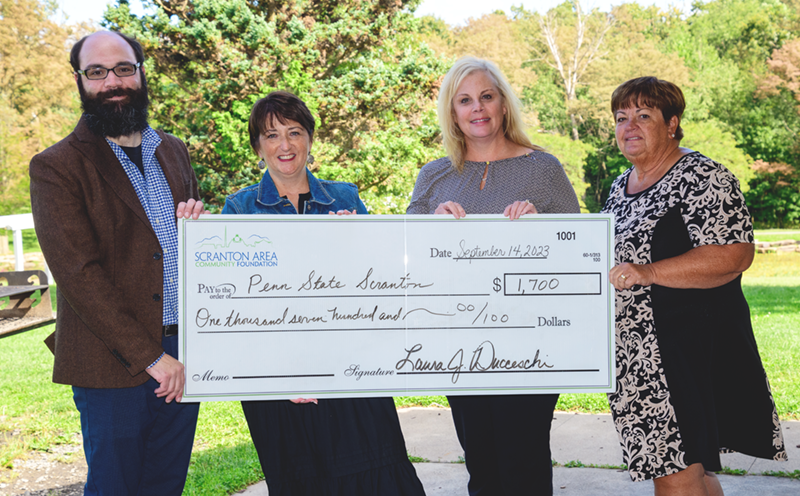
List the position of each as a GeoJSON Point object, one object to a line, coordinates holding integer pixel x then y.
{"type": "Point", "coordinates": [310, 159]}
{"type": "Point", "coordinates": [261, 164]}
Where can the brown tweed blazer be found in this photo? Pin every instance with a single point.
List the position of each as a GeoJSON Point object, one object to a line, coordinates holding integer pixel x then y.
{"type": "Point", "coordinates": [104, 256]}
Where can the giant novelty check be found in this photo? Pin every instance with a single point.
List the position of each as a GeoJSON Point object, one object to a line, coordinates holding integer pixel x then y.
{"type": "Point", "coordinates": [288, 306]}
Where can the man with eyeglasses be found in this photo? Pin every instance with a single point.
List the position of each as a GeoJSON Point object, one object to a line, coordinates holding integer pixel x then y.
{"type": "Point", "coordinates": [105, 201]}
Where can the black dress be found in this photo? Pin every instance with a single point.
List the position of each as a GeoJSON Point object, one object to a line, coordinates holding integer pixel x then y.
{"type": "Point", "coordinates": [689, 378]}
{"type": "Point", "coordinates": [342, 447]}
{"type": "Point", "coordinates": [339, 447]}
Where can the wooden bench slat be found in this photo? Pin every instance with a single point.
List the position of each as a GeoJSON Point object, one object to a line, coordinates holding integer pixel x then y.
{"type": "Point", "coordinates": [20, 310]}
{"type": "Point", "coordinates": [18, 290]}
{"type": "Point", "coordinates": [11, 326]}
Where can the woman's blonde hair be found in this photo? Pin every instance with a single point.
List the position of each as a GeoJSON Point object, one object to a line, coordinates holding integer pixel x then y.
{"type": "Point", "coordinates": [454, 143]}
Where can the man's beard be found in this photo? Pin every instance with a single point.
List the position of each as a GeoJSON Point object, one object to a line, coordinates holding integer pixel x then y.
{"type": "Point", "coordinates": [115, 119]}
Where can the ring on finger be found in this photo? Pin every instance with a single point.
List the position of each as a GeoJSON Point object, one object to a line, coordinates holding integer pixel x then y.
{"type": "Point", "coordinates": [623, 277]}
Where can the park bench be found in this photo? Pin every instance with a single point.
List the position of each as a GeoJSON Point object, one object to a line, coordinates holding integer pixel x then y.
{"type": "Point", "coordinates": [24, 302]}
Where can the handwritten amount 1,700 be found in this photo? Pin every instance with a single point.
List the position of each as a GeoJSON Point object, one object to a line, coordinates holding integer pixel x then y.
{"type": "Point", "coordinates": [540, 285]}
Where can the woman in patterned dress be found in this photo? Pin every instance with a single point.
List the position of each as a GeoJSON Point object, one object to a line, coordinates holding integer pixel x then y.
{"type": "Point", "coordinates": [689, 378]}
{"type": "Point", "coordinates": [492, 168]}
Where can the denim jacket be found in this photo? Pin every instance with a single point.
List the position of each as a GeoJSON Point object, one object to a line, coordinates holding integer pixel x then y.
{"type": "Point", "coordinates": [263, 198]}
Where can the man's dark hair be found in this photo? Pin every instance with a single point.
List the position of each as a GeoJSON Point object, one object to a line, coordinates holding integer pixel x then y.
{"type": "Point", "coordinates": [75, 53]}
{"type": "Point", "coordinates": [280, 105]}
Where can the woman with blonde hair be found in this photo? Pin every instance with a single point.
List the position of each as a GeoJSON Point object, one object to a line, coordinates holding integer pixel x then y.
{"type": "Point", "coordinates": [492, 167]}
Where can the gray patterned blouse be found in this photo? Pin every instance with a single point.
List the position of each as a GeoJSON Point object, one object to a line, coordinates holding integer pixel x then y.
{"type": "Point", "coordinates": [537, 177]}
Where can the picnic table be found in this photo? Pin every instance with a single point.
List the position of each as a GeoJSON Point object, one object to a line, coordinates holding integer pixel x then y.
{"type": "Point", "coordinates": [24, 302]}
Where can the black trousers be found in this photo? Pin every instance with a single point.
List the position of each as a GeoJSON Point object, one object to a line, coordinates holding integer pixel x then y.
{"type": "Point", "coordinates": [506, 442]}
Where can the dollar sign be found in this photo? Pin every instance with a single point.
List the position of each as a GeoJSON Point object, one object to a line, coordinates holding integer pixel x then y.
{"type": "Point", "coordinates": [497, 285]}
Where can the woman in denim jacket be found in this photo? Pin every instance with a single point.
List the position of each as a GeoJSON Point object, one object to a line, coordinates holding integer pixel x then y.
{"type": "Point", "coordinates": [339, 447]}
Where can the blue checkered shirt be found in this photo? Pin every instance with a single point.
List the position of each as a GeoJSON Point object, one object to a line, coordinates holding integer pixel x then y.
{"type": "Point", "coordinates": [156, 198]}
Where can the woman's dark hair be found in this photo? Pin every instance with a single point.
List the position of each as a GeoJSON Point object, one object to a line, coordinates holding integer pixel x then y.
{"type": "Point", "coordinates": [75, 53]}
{"type": "Point", "coordinates": [280, 105]}
{"type": "Point", "coordinates": [651, 92]}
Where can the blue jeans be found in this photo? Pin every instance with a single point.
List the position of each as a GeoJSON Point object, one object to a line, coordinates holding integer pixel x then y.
{"type": "Point", "coordinates": [136, 443]}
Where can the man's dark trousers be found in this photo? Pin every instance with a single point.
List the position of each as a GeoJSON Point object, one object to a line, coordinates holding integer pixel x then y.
{"type": "Point", "coordinates": [127, 448]}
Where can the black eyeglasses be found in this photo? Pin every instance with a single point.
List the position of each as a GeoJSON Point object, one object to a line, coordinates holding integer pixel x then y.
{"type": "Point", "coordinates": [122, 70]}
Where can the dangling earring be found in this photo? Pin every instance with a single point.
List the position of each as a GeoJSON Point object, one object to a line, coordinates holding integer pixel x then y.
{"type": "Point", "coordinates": [261, 164]}
{"type": "Point", "coordinates": [310, 159]}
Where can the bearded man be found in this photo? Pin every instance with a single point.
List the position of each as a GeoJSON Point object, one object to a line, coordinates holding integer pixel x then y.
{"type": "Point", "coordinates": [105, 201]}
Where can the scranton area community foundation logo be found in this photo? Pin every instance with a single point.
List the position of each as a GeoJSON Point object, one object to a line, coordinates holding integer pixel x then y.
{"type": "Point", "coordinates": [250, 250]}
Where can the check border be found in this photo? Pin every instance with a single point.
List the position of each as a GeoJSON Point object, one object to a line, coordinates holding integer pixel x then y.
{"type": "Point", "coordinates": [184, 334]}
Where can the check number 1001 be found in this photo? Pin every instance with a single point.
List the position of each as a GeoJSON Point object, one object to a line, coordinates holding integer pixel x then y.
{"type": "Point", "coordinates": [585, 283]}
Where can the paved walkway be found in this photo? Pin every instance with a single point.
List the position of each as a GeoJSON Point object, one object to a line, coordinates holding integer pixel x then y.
{"type": "Point", "coordinates": [588, 440]}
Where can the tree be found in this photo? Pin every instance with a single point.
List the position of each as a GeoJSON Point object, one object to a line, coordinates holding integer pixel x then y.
{"type": "Point", "coordinates": [571, 154]}
{"type": "Point", "coordinates": [38, 103]}
{"type": "Point", "coordinates": [745, 31]}
{"type": "Point", "coordinates": [712, 140]}
{"type": "Point", "coordinates": [601, 168]}
{"type": "Point", "coordinates": [569, 41]}
{"type": "Point", "coordinates": [725, 43]}
{"type": "Point", "coordinates": [633, 49]}
{"type": "Point", "coordinates": [774, 196]}
{"type": "Point", "coordinates": [784, 71]}
{"type": "Point", "coordinates": [358, 65]}
{"type": "Point", "coordinates": [493, 37]}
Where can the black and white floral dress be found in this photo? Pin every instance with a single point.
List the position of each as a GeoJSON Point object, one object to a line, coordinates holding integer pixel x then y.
{"type": "Point", "coordinates": [689, 378]}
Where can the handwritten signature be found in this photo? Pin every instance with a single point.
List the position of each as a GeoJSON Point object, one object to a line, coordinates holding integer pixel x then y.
{"type": "Point", "coordinates": [484, 359]}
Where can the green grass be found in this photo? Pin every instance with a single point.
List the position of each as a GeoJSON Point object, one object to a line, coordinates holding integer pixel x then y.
{"type": "Point", "coordinates": [772, 288]}
{"type": "Point", "coordinates": [36, 414]}
{"type": "Point", "coordinates": [769, 235]}
{"type": "Point", "coordinates": [732, 471]}
{"type": "Point", "coordinates": [773, 265]}
{"type": "Point", "coordinates": [224, 460]}
{"type": "Point", "coordinates": [580, 464]}
{"type": "Point", "coordinates": [586, 403]}
{"type": "Point", "coordinates": [776, 323]}
{"type": "Point", "coordinates": [407, 401]}
{"type": "Point", "coordinates": [583, 402]}
{"type": "Point", "coordinates": [41, 414]}
{"type": "Point", "coordinates": [417, 459]}
{"type": "Point", "coordinates": [791, 475]}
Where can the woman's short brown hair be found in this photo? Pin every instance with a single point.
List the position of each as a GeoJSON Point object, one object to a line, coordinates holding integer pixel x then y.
{"type": "Point", "coordinates": [280, 105]}
{"type": "Point", "coordinates": [651, 92]}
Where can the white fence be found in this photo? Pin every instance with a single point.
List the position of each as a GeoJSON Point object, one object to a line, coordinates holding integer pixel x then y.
{"type": "Point", "coordinates": [16, 224]}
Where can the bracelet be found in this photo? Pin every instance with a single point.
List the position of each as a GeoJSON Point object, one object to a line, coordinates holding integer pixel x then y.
{"type": "Point", "coordinates": [157, 359]}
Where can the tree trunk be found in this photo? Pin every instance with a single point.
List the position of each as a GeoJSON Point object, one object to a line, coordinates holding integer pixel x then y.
{"type": "Point", "coordinates": [575, 136]}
